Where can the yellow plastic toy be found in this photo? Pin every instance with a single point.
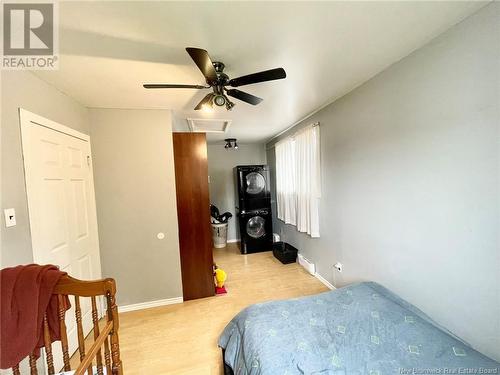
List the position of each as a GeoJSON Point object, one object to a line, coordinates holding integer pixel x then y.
{"type": "Point", "coordinates": [220, 278]}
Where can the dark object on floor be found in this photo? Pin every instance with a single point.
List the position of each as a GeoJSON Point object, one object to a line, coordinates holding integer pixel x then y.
{"type": "Point", "coordinates": [285, 252]}
{"type": "Point", "coordinates": [217, 218]}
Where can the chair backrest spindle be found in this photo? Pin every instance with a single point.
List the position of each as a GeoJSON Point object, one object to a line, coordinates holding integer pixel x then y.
{"type": "Point", "coordinates": [95, 321]}
{"type": "Point", "coordinates": [107, 356]}
{"type": "Point", "coordinates": [115, 346]}
{"type": "Point", "coordinates": [63, 333]}
{"type": "Point", "coordinates": [32, 361]}
{"type": "Point", "coordinates": [79, 328]}
{"type": "Point", "coordinates": [48, 346]}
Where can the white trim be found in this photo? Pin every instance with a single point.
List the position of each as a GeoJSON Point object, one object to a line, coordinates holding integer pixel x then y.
{"type": "Point", "coordinates": [306, 263]}
{"type": "Point", "coordinates": [233, 240]}
{"type": "Point", "coordinates": [150, 304]}
{"type": "Point", "coordinates": [324, 281]}
{"type": "Point", "coordinates": [27, 117]}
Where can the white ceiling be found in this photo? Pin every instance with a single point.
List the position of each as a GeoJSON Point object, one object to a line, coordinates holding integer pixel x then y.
{"type": "Point", "coordinates": [108, 49]}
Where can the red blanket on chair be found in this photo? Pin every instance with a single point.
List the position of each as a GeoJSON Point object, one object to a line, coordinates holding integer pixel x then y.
{"type": "Point", "coordinates": [26, 295]}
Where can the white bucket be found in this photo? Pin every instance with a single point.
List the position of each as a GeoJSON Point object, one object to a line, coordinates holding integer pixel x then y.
{"type": "Point", "coordinates": [219, 235]}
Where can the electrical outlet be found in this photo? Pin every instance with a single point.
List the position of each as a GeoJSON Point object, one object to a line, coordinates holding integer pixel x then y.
{"type": "Point", "coordinates": [338, 266]}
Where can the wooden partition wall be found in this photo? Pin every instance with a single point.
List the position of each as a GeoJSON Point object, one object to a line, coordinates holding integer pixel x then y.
{"type": "Point", "coordinates": [193, 213]}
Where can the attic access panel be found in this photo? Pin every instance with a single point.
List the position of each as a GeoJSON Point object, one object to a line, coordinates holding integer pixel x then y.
{"type": "Point", "coordinates": [199, 125]}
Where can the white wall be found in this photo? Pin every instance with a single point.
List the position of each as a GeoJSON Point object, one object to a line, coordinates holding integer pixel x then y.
{"type": "Point", "coordinates": [221, 163]}
{"type": "Point", "coordinates": [411, 194]}
{"type": "Point", "coordinates": [22, 89]}
{"type": "Point", "coordinates": [135, 194]}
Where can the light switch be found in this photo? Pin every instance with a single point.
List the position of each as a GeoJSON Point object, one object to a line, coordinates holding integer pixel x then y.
{"type": "Point", "coordinates": [10, 217]}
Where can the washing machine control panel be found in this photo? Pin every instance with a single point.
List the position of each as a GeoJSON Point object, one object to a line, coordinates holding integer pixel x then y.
{"type": "Point", "coordinates": [255, 212]}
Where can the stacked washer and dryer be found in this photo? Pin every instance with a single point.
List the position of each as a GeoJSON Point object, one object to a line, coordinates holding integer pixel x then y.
{"type": "Point", "coordinates": [254, 208]}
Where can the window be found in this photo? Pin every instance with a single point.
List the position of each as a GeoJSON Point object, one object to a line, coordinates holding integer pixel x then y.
{"type": "Point", "coordinates": [298, 180]}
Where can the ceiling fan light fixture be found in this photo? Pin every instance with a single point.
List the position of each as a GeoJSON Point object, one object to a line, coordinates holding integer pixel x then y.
{"type": "Point", "coordinates": [229, 105]}
{"type": "Point", "coordinates": [206, 104]}
{"type": "Point", "coordinates": [230, 143]}
{"type": "Point", "coordinates": [219, 100]}
{"type": "Point", "coordinates": [207, 107]}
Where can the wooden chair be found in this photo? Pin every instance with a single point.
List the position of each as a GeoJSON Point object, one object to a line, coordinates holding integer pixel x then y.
{"type": "Point", "coordinates": [103, 337]}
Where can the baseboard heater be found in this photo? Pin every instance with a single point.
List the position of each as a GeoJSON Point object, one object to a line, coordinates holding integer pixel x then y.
{"type": "Point", "coordinates": [307, 264]}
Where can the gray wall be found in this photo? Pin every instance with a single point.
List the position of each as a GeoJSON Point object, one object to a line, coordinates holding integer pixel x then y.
{"type": "Point", "coordinates": [222, 185]}
{"type": "Point", "coordinates": [22, 89]}
{"type": "Point", "coordinates": [410, 182]}
{"type": "Point", "coordinates": [135, 194]}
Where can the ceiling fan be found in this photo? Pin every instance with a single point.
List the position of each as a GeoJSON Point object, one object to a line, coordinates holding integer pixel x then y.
{"type": "Point", "coordinates": [218, 81]}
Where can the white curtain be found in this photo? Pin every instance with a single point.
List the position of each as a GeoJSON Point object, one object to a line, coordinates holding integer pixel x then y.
{"type": "Point", "coordinates": [298, 180]}
{"type": "Point", "coordinates": [308, 181]}
{"type": "Point", "coordinates": [285, 181]}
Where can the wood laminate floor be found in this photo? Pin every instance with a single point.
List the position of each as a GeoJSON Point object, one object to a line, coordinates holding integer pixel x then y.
{"type": "Point", "coordinates": [182, 338]}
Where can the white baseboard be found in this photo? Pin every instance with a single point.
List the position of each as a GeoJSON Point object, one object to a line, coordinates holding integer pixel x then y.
{"type": "Point", "coordinates": [147, 305]}
{"type": "Point", "coordinates": [324, 281]}
{"type": "Point", "coordinates": [233, 240]}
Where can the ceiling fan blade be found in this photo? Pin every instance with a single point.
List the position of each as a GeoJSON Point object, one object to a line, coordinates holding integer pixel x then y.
{"type": "Point", "coordinates": [207, 100]}
{"type": "Point", "coordinates": [172, 86]}
{"type": "Point", "coordinates": [267, 75]}
{"type": "Point", "coordinates": [244, 96]}
{"type": "Point", "coordinates": [202, 60]}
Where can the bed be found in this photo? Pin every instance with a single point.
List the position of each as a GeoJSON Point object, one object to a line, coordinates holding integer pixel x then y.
{"type": "Point", "coordinates": [359, 329]}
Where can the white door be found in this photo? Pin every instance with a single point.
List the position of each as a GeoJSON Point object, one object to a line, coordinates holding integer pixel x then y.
{"type": "Point", "coordinates": [61, 203]}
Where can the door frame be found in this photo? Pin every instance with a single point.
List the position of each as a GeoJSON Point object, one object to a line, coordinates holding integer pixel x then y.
{"type": "Point", "coordinates": [27, 117]}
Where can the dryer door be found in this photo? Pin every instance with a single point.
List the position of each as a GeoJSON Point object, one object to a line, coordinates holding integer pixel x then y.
{"type": "Point", "coordinates": [256, 183]}
{"type": "Point", "coordinates": [256, 227]}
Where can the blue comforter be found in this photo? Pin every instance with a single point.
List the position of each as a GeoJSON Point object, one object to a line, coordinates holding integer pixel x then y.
{"type": "Point", "coordinates": [359, 329]}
